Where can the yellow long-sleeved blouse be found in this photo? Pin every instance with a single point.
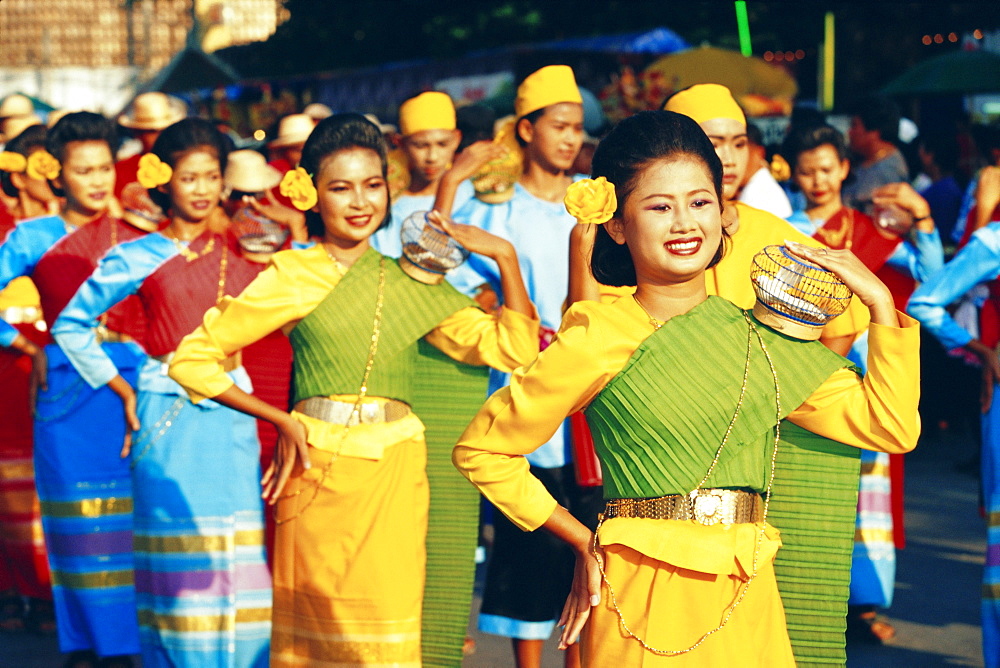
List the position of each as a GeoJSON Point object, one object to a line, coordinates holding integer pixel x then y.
{"type": "Point", "coordinates": [878, 412]}
{"type": "Point", "coordinates": [292, 285]}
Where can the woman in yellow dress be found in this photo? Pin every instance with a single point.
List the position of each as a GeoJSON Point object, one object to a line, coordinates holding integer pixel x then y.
{"type": "Point", "coordinates": [348, 482]}
{"type": "Point", "coordinates": [693, 405]}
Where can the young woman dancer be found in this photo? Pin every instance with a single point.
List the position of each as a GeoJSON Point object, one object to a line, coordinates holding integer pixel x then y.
{"type": "Point", "coordinates": [684, 393]}
{"type": "Point", "coordinates": [348, 481]}
{"type": "Point", "coordinates": [24, 570]}
{"type": "Point", "coordinates": [84, 487]}
{"type": "Point", "coordinates": [202, 583]}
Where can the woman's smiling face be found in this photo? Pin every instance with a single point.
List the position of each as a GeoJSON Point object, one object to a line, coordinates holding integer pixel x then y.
{"type": "Point", "coordinates": [353, 196]}
{"type": "Point", "coordinates": [671, 221]}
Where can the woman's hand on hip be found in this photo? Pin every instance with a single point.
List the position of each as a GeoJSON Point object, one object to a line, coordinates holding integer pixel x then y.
{"type": "Point", "coordinates": [292, 446]}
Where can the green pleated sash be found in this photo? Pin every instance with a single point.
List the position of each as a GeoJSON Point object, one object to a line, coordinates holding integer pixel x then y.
{"type": "Point", "coordinates": [659, 422]}
{"type": "Point", "coordinates": [331, 349]}
{"type": "Point", "coordinates": [332, 342]}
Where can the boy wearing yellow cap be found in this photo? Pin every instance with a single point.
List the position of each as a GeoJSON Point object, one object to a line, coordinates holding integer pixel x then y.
{"type": "Point", "coordinates": [429, 140]}
{"type": "Point", "coordinates": [530, 573]}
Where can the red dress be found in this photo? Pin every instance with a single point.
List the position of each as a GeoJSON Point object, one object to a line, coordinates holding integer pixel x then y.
{"type": "Point", "coordinates": [24, 566]}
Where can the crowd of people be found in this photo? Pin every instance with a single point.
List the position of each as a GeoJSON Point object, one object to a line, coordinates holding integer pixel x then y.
{"type": "Point", "coordinates": [246, 390]}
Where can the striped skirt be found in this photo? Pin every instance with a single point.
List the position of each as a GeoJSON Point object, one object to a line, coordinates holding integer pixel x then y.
{"type": "Point", "coordinates": [202, 582]}
{"type": "Point", "coordinates": [991, 501]}
{"type": "Point", "coordinates": [86, 499]}
{"type": "Point", "coordinates": [23, 564]}
{"type": "Point", "coordinates": [873, 566]}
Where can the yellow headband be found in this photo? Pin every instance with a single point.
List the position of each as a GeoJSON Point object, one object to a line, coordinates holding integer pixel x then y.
{"type": "Point", "coordinates": [703, 102]}
{"type": "Point", "coordinates": [427, 111]}
{"type": "Point", "coordinates": [550, 85]}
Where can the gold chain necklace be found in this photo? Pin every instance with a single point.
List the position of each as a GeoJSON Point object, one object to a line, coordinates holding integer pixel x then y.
{"type": "Point", "coordinates": [189, 254]}
{"type": "Point", "coordinates": [731, 608]}
{"type": "Point", "coordinates": [355, 416]}
{"type": "Point", "coordinates": [652, 321]}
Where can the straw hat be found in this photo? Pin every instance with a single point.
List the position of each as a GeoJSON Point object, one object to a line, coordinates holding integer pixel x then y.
{"type": "Point", "coordinates": [317, 111]}
{"type": "Point", "coordinates": [16, 105]}
{"type": "Point", "coordinates": [12, 126]}
{"type": "Point", "coordinates": [384, 128]}
{"type": "Point", "coordinates": [153, 111]}
{"type": "Point", "coordinates": [293, 129]}
{"type": "Point", "coordinates": [55, 115]}
{"type": "Point", "coordinates": [247, 171]}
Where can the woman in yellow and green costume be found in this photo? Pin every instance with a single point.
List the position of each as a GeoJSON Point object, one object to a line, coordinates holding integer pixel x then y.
{"type": "Point", "coordinates": [348, 483]}
{"type": "Point", "coordinates": [712, 429]}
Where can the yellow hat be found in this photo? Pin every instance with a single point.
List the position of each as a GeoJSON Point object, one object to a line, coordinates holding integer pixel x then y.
{"type": "Point", "coordinates": [703, 102]}
{"type": "Point", "coordinates": [427, 111]}
{"type": "Point", "coordinates": [550, 85]}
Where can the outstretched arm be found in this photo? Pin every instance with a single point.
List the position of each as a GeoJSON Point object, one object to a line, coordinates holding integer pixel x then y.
{"type": "Point", "coordinates": [501, 251]}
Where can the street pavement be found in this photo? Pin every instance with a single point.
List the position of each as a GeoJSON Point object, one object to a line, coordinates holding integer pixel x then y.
{"type": "Point", "coordinates": [936, 608]}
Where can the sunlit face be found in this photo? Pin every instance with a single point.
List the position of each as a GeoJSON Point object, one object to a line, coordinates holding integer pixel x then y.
{"type": "Point", "coordinates": [555, 138]}
{"type": "Point", "coordinates": [729, 137]}
{"type": "Point", "coordinates": [671, 221]}
{"type": "Point", "coordinates": [87, 177]}
{"type": "Point", "coordinates": [819, 173]}
{"type": "Point", "coordinates": [353, 196]}
{"type": "Point", "coordinates": [429, 152]}
{"type": "Point", "coordinates": [196, 185]}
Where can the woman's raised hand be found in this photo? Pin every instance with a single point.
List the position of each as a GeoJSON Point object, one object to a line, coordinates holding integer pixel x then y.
{"type": "Point", "coordinates": [291, 445]}
{"type": "Point", "coordinates": [863, 283]}
{"type": "Point", "coordinates": [474, 239]}
{"type": "Point", "coordinates": [473, 157]}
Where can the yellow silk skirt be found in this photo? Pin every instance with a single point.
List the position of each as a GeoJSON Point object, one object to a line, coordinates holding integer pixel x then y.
{"type": "Point", "coordinates": [673, 581]}
{"type": "Point", "coordinates": [349, 571]}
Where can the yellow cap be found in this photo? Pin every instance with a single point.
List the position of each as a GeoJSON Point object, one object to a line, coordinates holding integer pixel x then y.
{"type": "Point", "coordinates": [703, 102]}
{"type": "Point", "coordinates": [427, 111]}
{"type": "Point", "coordinates": [550, 85]}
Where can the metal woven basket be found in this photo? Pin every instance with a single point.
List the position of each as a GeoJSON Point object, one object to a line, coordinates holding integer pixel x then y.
{"type": "Point", "coordinates": [256, 233]}
{"type": "Point", "coordinates": [795, 297]}
{"type": "Point", "coordinates": [428, 252]}
{"type": "Point", "coordinates": [139, 209]}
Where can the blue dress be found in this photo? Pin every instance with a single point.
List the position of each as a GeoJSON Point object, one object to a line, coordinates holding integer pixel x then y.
{"type": "Point", "coordinates": [202, 582]}
{"type": "Point", "coordinates": [83, 485]}
{"type": "Point", "coordinates": [977, 262]}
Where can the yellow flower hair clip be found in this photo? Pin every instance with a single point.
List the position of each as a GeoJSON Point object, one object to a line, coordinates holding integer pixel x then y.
{"type": "Point", "coordinates": [591, 201]}
{"type": "Point", "coordinates": [153, 172]}
{"type": "Point", "coordinates": [780, 169]}
{"type": "Point", "coordinates": [298, 186]}
{"type": "Point", "coordinates": [12, 162]}
{"type": "Point", "coordinates": [42, 165]}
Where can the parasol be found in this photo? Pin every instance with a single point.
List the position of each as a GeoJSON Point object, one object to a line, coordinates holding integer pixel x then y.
{"type": "Point", "coordinates": [958, 72]}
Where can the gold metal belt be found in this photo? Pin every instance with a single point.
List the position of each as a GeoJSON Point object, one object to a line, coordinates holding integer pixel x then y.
{"type": "Point", "coordinates": [231, 363]}
{"type": "Point", "coordinates": [341, 412]}
{"type": "Point", "coordinates": [705, 506]}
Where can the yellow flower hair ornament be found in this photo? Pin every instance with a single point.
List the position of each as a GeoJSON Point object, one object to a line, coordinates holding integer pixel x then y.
{"type": "Point", "coordinates": [591, 201]}
{"type": "Point", "coordinates": [298, 186]}
{"type": "Point", "coordinates": [153, 172]}
{"type": "Point", "coordinates": [12, 162]}
{"type": "Point", "coordinates": [42, 165]}
{"type": "Point", "coordinates": [780, 169]}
